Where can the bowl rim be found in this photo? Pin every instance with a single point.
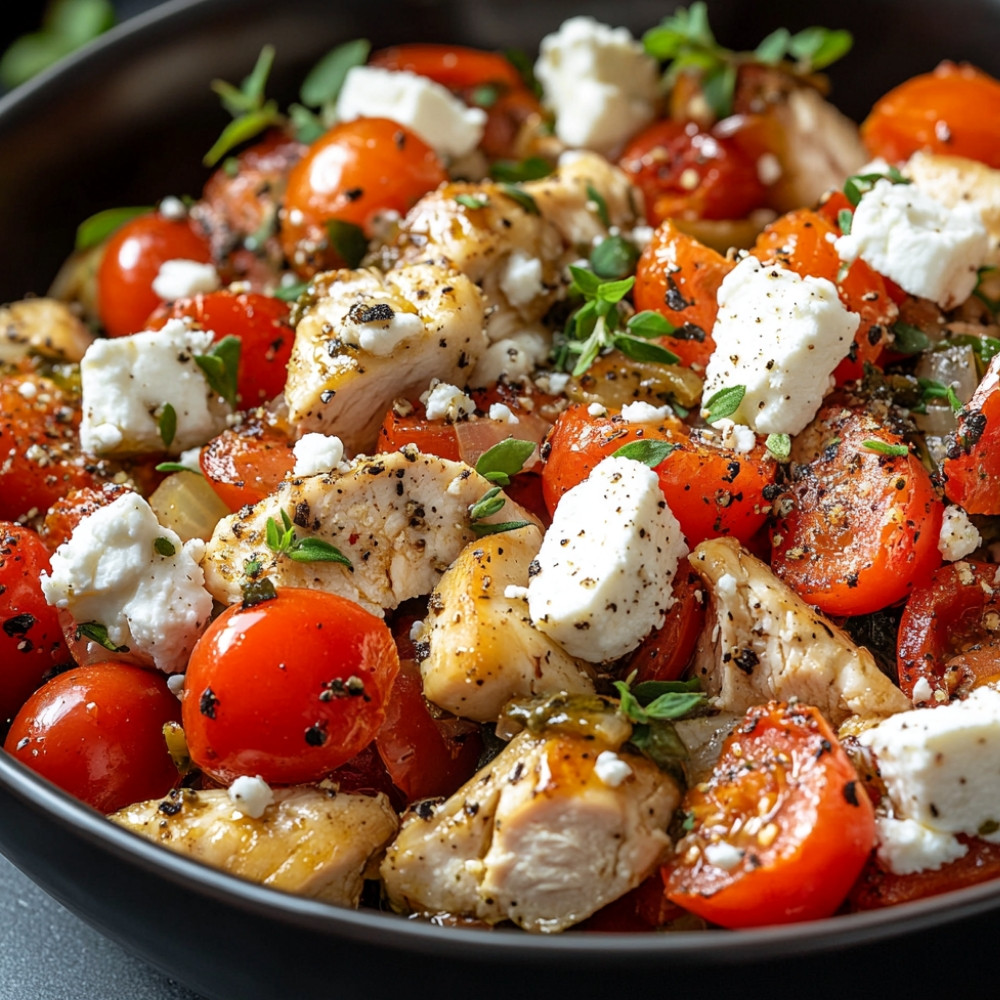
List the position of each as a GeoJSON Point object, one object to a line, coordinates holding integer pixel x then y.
{"type": "Point", "coordinates": [723, 947]}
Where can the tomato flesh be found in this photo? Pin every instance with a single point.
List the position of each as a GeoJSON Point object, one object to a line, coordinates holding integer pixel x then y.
{"type": "Point", "coordinates": [290, 688]}
{"type": "Point", "coordinates": [244, 464]}
{"type": "Point", "coordinates": [779, 831]}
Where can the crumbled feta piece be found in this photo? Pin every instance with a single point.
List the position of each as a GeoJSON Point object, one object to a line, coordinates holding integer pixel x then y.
{"type": "Point", "coordinates": [502, 413]}
{"type": "Point", "coordinates": [641, 412]}
{"type": "Point", "coordinates": [521, 278]}
{"type": "Point", "coordinates": [554, 383]}
{"type": "Point", "coordinates": [599, 82]}
{"type": "Point", "coordinates": [514, 592]}
{"type": "Point", "coordinates": [128, 381]}
{"type": "Point", "coordinates": [317, 453]}
{"type": "Point", "coordinates": [180, 279]}
{"type": "Point", "coordinates": [725, 586]}
{"type": "Point", "coordinates": [941, 766]}
{"type": "Point", "coordinates": [515, 357]}
{"type": "Point", "coordinates": [123, 570]}
{"type": "Point", "coordinates": [442, 120]}
{"type": "Point", "coordinates": [379, 329]}
{"type": "Point", "coordinates": [906, 846]}
{"type": "Point", "coordinates": [444, 401]}
{"type": "Point", "coordinates": [959, 536]}
{"type": "Point", "coordinates": [922, 691]}
{"type": "Point", "coordinates": [611, 769]}
{"type": "Point", "coordinates": [171, 207]}
{"type": "Point", "coordinates": [251, 795]}
{"type": "Point", "coordinates": [597, 410]}
{"type": "Point", "coordinates": [781, 336]}
{"type": "Point", "coordinates": [927, 249]}
{"type": "Point", "coordinates": [723, 855]}
{"type": "Point", "coordinates": [602, 576]}
{"type": "Point", "coordinates": [736, 437]}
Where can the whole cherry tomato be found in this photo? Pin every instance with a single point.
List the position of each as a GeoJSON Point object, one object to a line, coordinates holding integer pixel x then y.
{"type": "Point", "coordinates": [131, 262]}
{"type": "Point", "coordinates": [953, 111]}
{"type": "Point", "coordinates": [779, 831]}
{"type": "Point", "coordinates": [97, 733]}
{"type": "Point", "coordinates": [288, 688]}
{"type": "Point", "coordinates": [262, 325]}
{"type": "Point", "coordinates": [351, 174]}
{"type": "Point", "coordinates": [31, 640]}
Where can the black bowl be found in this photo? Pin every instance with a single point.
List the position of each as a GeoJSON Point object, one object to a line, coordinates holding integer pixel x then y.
{"type": "Point", "coordinates": [126, 122]}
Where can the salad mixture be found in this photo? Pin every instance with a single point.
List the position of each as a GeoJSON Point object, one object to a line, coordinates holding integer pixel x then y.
{"type": "Point", "coordinates": [560, 492]}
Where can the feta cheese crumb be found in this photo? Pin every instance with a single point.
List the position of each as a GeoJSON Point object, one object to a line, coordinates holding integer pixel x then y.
{"type": "Point", "coordinates": [442, 120]}
{"type": "Point", "coordinates": [317, 453]}
{"type": "Point", "coordinates": [115, 571]}
{"type": "Point", "coordinates": [906, 846]}
{"type": "Point", "coordinates": [378, 328]}
{"type": "Point", "coordinates": [598, 81]}
{"type": "Point", "coordinates": [736, 437]}
{"type": "Point", "coordinates": [927, 249]}
{"type": "Point", "coordinates": [723, 855]}
{"type": "Point", "coordinates": [444, 401]}
{"type": "Point", "coordinates": [922, 691]}
{"type": "Point", "coordinates": [781, 336]}
{"type": "Point", "coordinates": [641, 412]}
{"type": "Point", "coordinates": [959, 536]}
{"type": "Point", "coordinates": [180, 279]}
{"type": "Point", "coordinates": [171, 207]}
{"type": "Point", "coordinates": [554, 383]}
{"type": "Point", "coordinates": [597, 410]}
{"type": "Point", "coordinates": [515, 357]}
{"type": "Point", "coordinates": [606, 563]}
{"type": "Point", "coordinates": [251, 795]}
{"type": "Point", "coordinates": [611, 769]}
{"type": "Point", "coordinates": [521, 278]}
{"type": "Point", "coordinates": [515, 593]}
{"type": "Point", "coordinates": [127, 381]}
{"type": "Point", "coordinates": [503, 413]}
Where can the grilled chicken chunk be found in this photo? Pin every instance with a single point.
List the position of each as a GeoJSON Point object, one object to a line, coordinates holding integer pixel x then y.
{"type": "Point", "coordinates": [400, 518]}
{"type": "Point", "coordinates": [42, 326]}
{"type": "Point", "coordinates": [308, 841]}
{"type": "Point", "coordinates": [368, 338]}
{"type": "Point", "coordinates": [482, 649]}
{"type": "Point", "coordinates": [556, 827]}
{"type": "Point", "coordinates": [762, 641]}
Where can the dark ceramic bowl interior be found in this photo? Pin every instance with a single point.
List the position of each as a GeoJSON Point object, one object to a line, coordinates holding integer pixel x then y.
{"type": "Point", "coordinates": [126, 122]}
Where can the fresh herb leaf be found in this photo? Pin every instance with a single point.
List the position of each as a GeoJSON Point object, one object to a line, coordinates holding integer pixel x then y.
{"type": "Point", "coordinates": [505, 460]}
{"type": "Point", "coordinates": [779, 445]}
{"type": "Point", "coordinates": [486, 95]}
{"type": "Point", "coordinates": [513, 171]}
{"type": "Point", "coordinates": [909, 339]}
{"type": "Point", "coordinates": [324, 81]}
{"type": "Point", "coordinates": [256, 592]}
{"type": "Point", "coordinates": [642, 350]}
{"type": "Point", "coordinates": [520, 196]}
{"type": "Point", "coordinates": [614, 257]}
{"type": "Point", "coordinates": [289, 293]}
{"type": "Point", "coordinates": [348, 240]}
{"type": "Point", "coordinates": [664, 700]}
{"type": "Point", "coordinates": [600, 205]}
{"type": "Point", "coordinates": [98, 633]}
{"type": "Point", "coordinates": [649, 325]}
{"type": "Point", "coordinates": [646, 450]}
{"type": "Point", "coordinates": [479, 529]}
{"type": "Point", "coordinates": [307, 126]}
{"type": "Point", "coordinates": [885, 448]}
{"type": "Point", "coordinates": [858, 185]}
{"type": "Point", "coordinates": [929, 389]}
{"type": "Point", "coordinates": [167, 424]}
{"type": "Point", "coordinates": [164, 546]}
{"type": "Point", "coordinates": [985, 348]}
{"type": "Point", "coordinates": [816, 48]}
{"type": "Point", "coordinates": [771, 50]}
{"type": "Point", "coordinates": [101, 225]}
{"type": "Point", "coordinates": [176, 467]}
{"type": "Point", "coordinates": [845, 218]}
{"type": "Point", "coordinates": [724, 403]}
{"type": "Point", "coordinates": [284, 541]}
{"type": "Point", "coordinates": [221, 367]}
{"type": "Point", "coordinates": [472, 201]}
{"type": "Point", "coordinates": [490, 503]}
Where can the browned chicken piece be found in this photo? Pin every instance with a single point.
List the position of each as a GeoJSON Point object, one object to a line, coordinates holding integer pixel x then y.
{"type": "Point", "coordinates": [556, 827]}
{"type": "Point", "coordinates": [315, 843]}
{"type": "Point", "coordinates": [401, 519]}
{"type": "Point", "coordinates": [762, 641]}
{"type": "Point", "coordinates": [481, 648]}
{"type": "Point", "coordinates": [42, 326]}
{"type": "Point", "coordinates": [366, 339]}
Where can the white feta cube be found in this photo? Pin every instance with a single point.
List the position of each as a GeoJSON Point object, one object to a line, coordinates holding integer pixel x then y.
{"type": "Point", "coordinates": [317, 453]}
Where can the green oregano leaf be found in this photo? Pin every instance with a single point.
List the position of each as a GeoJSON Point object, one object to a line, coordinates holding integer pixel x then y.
{"type": "Point", "coordinates": [521, 196]}
{"type": "Point", "coordinates": [614, 257]}
{"type": "Point", "coordinates": [221, 367]}
{"type": "Point", "coordinates": [885, 448]}
{"type": "Point", "coordinates": [505, 460]}
{"type": "Point", "coordinates": [724, 403]}
{"type": "Point", "coordinates": [164, 546]}
{"type": "Point", "coordinates": [324, 81]}
{"type": "Point", "coordinates": [98, 633]}
{"type": "Point", "coordinates": [101, 225]}
{"type": "Point", "coordinates": [779, 445]}
{"type": "Point", "coordinates": [283, 540]}
{"type": "Point", "coordinates": [472, 201]}
{"type": "Point", "coordinates": [909, 339]}
{"type": "Point", "coordinates": [646, 450]}
{"type": "Point", "coordinates": [348, 240]}
{"type": "Point", "coordinates": [600, 205]}
{"type": "Point", "coordinates": [167, 424]}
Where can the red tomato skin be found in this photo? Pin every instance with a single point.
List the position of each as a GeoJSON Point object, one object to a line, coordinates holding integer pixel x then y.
{"type": "Point", "coordinates": [952, 111]}
{"type": "Point", "coordinates": [352, 173]}
{"type": "Point", "coordinates": [97, 732]}
{"type": "Point", "coordinates": [456, 67]}
{"type": "Point", "coordinates": [432, 437]}
{"type": "Point", "coordinates": [132, 260]}
{"type": "Point", "coordinates": [425, 757]}
{"type": "Point", "coordinates": [262, 324]}
{"type": "Point", "coordinates": [266, 687]}
{"type": "Point", "coordinates": [31, 638]}
{"type": "Point", "coordinates": [711, 491]}
{"type": "Point", "coordinates": [243, 465]}
{"type": "Point", "coordinates": [972, 466]}
{"type": "Point", "coordinates": [788, 758]}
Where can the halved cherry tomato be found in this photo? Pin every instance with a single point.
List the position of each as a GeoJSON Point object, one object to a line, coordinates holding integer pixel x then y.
{"type": "Point", "coordinates": [40, 445]}
{"type": "Point", "coordinates": [972, 466]}
{"type": "Point", "coordinates": [803, 242]}
{"type": "Point", "coordinates": [779, 831]}
{"type": "Point", "coordinates": [685, 172]}
{"type": "Point", "coordinates": [948, 633]}
{"type": "Point", "coordinates": [679, 277]}
{"type": "Point", "coordinates": [31, 640]}
{"type": "Point", "coordinates": [711, 490]}
{"type": "Point", "coordinates": [289, 688]}
{"type": "Point", "coordinates": [244, 464]}
{"type": "Point", "coordinates": [351, 174]}
{"type": "Point", "coordinates": [863, 522]}
{"type": "Point", "coordinates": [877, 887]}
{"type": "Point", "coordinates": [131, 262]}
{"type": "Point", "coordinates": [97, 732]}
{"type": "Point", "coordinates": [665, 653]}
{"type": "Point", "coordinates": [67, 512]}
{"type": "Point", "coordinates": [433, 437]}
{"type": "Point", "coordinates": [954, 111]}
{"type": "Point", "coordinates": [262, 324]}
{"type": "Point", "coordinates": [425, 756]}
{"type": "Point", "coordinates": [456, 67]}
